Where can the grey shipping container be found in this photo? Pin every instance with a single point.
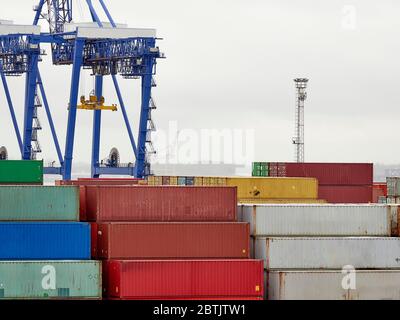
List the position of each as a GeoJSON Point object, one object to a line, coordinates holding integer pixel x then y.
{"type": "Point", "coordinates": [328, 253]}
{"type": "Point", "coordinates": [333, 285]}
{"type": "Point", "coordinates": [317, 220]}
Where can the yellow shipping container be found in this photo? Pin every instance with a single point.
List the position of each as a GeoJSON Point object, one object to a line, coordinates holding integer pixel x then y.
{"type": "Point", "coordinates": [150, 180]}
{"type": "Point", "coordinates": [158, 181]}
{"type": "Point", "coordinates": [198, 181]}
{"type": "Point", "coordinates": [221, 182]}
{"type": "Point", "coordinates": [275, 188]}
{"type": "Point", "coordinates": [206, 181]}
{"type": "Point", "coordinates": [173, 181]}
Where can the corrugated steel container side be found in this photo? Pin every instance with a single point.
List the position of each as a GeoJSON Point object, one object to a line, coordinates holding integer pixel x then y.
{"type": "Point", "coordinates": [190, 181]}
{"type": "Point", "coordinates": [393, 186]}
{"type": "Point", "coordinates": [174, 279]}
{"type": "Point", "coordinates": [172, 241]}
{"type": "Point", "coordinates": [190, 299]}
{"type": "Point", "coordinates": [275, 188]}
{"type": "Point", "coordinates": [166, 181]}
{"type": "Point", "coordinates": [382, 186]}
{"type": "Point", "coordinates": [173, 181]}
{"type": "Point", "coordinates": [73, 280]}
{"type": "Point", "coordinates": [377, 193]}
{"type": "Point", "coordinates": [198, 181]}
{"type": "Point", "coordinates": [327, 173]}
{"type": "Point", "coordinates": [328, 253]}
{"type": "Point", "coordinates": [38, 203]}
{"type": "Point", "coordinates": [393, 200]}
{"type": "Point", "coordinates": [44, 241]}
{"type": "Point", "coordinates": [160, 204]}
{"type": "Point", "coordinates": [318, 220]}
{"type": "Point", "coordinates": [394, 210]}
{"type": "Point", "coordinates": [181, 181]}
{"type": "Point", "coordinates": [327, 285]}
{"type": "Point", "coordinates": [21, 172]}
{"type": "Point", "coordinates": [346, 194]}
{"type": "Point", "coordinates": [280, 201]}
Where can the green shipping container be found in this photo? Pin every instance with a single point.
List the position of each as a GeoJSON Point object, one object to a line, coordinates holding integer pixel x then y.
{"type": "Point", "coordinates": [21, 172]}
{"type": "Point", "coordinates": [38, 203]}
{"type": "Point", "coordinates": [262, 171]}
{"type": "Point", "coordinates": [50, 280]}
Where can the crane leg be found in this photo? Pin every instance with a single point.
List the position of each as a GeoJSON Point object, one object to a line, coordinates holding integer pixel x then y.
{"type": "Point", "coordinates": [30, 91]}
{"type": "Point", "coordinates": [73, 102]}
{"type": "Point", "coordinates": [97, 129]}
{"type": "Point", "coordinates": [144, 117]}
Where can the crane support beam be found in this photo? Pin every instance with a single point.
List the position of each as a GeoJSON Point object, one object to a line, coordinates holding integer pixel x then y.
{"type": "Point", "coordinates": [97, 128]}
{"type": "Point", "coordinates": [31, 78]}
{"type": "Point", "coordinates": [73, 102]}
{"type": "Point", "coordinates": [141, 160]}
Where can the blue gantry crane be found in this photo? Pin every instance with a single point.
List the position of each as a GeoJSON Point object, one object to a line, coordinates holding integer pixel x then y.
{"type": "Point", "coordinates": [108, 50]}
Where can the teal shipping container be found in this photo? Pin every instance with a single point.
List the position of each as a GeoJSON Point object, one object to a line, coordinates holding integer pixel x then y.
{"type": "Point", "coordinates": [50, 280]}
{"type": "Point", "coordinates": [21, 172]}
{"type": "Point", "coordinates": [38, 203]}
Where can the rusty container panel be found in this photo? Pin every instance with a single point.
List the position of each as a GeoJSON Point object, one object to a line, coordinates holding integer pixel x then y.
{"type": "Point", "coordinates": [160, 204]}
{"type": "Point", "coordinates": [160, 279]}
{"type": "Point", "coordinates": [394, 211]}
{"type": "Point", "coordinates": [172, 241]}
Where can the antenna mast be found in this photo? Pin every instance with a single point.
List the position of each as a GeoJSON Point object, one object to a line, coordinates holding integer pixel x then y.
{"type": "Point", "coordinates": [301, 96]}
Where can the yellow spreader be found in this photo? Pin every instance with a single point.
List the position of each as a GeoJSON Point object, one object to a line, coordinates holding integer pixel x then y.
{"type": "Point", "coordinates": [94, 104]}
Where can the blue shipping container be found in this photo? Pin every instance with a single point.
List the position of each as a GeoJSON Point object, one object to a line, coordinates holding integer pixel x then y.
{"type": "Point", "coordinates": [181, 181]}
{"type": "Point", "coordinates": [45, 241]}
{"type": "Point", "coordinates": [190, 181]}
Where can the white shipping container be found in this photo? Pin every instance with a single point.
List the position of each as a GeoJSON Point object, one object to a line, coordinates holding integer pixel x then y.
{"type": "Point", "coordinates": [317, 220]}
{"type": "Point", "coordinates": [328, 253]}
{"type": "Point", "coordinates": [333, 285]}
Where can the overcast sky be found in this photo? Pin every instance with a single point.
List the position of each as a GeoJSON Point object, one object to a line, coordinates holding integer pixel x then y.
{"type": "Point", "coordinates": [231, 64]}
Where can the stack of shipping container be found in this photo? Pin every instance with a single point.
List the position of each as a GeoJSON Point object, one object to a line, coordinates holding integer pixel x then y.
{"type": "Point", "coordinates": [253, 189]}
{"type": "Point", "coordinates": [171, 243]}
{"type": "Point", "coordinates": [45, 251]}
{"type": "Point", "coordinates": [327, 251]}
{"type": "Point", "coordinates": [338, 182]}
{"type": "Point", "coordinates": [393, 190]}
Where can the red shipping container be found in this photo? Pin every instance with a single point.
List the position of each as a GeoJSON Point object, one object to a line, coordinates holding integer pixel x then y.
{"type": "Point", "coordinates": [172, 240]}
{"type": "Point", "coordinates": [331, 174]}
{"type": "Point", "coordinates": [377, 192]}
{"type": "Point", "coordinates": [173, 279]}
{"type": "Point", "coordinates": [346, 194]}
{"type": "Point", "coordinates": [161, 204]}
{"type": "Point", "coordinates": [195, 299]}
